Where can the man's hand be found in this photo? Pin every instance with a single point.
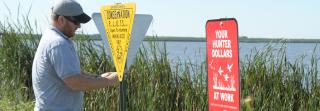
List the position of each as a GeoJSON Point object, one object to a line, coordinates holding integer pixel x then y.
{"type": "Point", "coordinates": [111, 77]}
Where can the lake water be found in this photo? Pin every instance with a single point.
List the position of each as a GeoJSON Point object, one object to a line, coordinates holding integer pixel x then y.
{"type": "Point", "coordinates": [196, 51]}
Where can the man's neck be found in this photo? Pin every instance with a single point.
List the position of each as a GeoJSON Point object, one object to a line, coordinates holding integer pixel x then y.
{"type": "Point", "coordinates": [59, 28]}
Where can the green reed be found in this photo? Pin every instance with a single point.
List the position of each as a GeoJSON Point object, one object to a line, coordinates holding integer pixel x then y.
{"type": "Point", "coordinates": [269, 81]}
{"type": "Point", "coordinates": [150, 83]}
{"type": "Point", "coordinates": [17, 49]}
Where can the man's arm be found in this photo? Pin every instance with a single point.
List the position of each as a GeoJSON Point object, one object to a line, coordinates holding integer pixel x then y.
{"type": "Point", "coordinates": [84, 81]}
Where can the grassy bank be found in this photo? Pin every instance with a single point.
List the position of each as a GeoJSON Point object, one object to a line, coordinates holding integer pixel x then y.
{"type": "Point", "coordinates": [269, 81]}
{"type": "Point", "coordinates": [151, 83]}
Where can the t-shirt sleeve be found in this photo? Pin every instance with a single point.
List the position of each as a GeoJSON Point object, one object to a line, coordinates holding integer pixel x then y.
{"type": "Point", "coordinates": [65, 61]}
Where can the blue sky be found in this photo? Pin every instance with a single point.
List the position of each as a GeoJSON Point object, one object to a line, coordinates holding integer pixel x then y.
{"type": "Point", "coordinates": [268, 18]}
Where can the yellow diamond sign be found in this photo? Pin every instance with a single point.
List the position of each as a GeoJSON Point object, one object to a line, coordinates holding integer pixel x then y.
{"type": "Point", "coordinates": [118, 21]}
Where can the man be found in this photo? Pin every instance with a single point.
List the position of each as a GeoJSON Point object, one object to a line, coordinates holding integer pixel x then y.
{"type": "Point", "coordinates": [57, 79]}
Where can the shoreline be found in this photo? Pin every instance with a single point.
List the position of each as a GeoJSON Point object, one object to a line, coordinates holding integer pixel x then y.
{"type": "Point", "coordinates": [242, 39]}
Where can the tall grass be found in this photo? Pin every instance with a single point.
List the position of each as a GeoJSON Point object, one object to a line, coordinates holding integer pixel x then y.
{"type": "Point", "coordinates": [17, 47]}
{"type": "Point", "coordinates": [269, 81]}
{"type": "Point", "coordinates": [151, 83]}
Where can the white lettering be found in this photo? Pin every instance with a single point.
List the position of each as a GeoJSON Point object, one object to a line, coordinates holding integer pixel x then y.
{"type": "Point", "coordinates": [220, 53]}
{"type": "Point", "coordinates": [227, 97]}
{"type": "Point", "coordinates": [221, 43]}
{"type": "Point", "coordinates": [221, 34]}
{"type": "Point", "coordinates": [216, 95]}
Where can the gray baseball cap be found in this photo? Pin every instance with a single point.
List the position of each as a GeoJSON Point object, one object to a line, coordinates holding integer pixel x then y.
{"type": "Point", "coordinates": [72, 9]}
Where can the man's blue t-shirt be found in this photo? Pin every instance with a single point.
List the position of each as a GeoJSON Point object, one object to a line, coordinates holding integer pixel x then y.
{"type": "Point", "coordinates": [54, 61]}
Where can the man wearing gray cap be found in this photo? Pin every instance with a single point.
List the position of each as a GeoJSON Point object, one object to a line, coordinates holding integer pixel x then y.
{"type": "Point", "coordinates": [57, 79]}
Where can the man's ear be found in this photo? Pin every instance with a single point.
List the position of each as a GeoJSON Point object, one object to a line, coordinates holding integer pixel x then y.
{"type": "Point", "coordinates": [61, 19]}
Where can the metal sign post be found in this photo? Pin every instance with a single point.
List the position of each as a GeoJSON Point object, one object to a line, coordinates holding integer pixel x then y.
{"type": "Point", "coordinates": [122, 105]}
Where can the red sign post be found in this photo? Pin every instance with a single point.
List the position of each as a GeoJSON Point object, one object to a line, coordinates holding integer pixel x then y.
{"type": "Point", "coordinates": [223, 65]}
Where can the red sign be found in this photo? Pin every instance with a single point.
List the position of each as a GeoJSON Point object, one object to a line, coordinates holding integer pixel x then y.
{"type": "Point", "coordinates": [223, 65]}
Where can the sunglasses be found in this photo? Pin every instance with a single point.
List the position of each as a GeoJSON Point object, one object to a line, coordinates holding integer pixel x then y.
{"type": "Point", "coordinates": [71, 19]}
